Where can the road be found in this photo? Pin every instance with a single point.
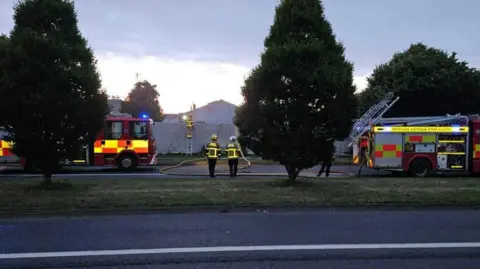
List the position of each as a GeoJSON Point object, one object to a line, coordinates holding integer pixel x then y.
{"type": "Point", "coordinates": [255, 168]}
{"type": "Point", "coordinates": [187, 171]}
{"type": "Point", "coordinates": [308, 239]}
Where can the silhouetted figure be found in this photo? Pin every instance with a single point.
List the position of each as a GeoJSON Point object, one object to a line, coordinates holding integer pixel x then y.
{"type": "Point", "coordinates": [327, 159]}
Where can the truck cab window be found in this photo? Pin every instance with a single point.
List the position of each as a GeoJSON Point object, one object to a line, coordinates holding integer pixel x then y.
{"type": "Point", "coordinates": [113, 130]}
{"type": "Point", "coordinates": [138, 129]}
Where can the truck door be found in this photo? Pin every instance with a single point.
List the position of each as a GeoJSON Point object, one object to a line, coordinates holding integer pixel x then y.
{"type": "Point", "coordinates": [138, 137]}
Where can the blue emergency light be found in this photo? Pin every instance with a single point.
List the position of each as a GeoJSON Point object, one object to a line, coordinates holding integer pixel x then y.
{"type": "Point", "coordinates": [144, 116]}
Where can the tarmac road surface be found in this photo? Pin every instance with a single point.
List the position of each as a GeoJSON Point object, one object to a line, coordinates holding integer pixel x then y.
{"type": "Point", "coordinates": [187, 171]}
{"type": "Point", "coordinates": [275, 169]}
{"type": "Point", "coordinates": [308, 239]}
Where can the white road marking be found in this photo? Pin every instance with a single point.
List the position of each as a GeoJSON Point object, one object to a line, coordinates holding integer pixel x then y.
{"type": "Point", "coordinates": [236, 249]}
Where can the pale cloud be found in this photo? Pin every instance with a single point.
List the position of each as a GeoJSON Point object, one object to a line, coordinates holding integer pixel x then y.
{"type": "Point", "coordinates": [179, 82]}
{"type": "Point", "coordinates": [361, 82]}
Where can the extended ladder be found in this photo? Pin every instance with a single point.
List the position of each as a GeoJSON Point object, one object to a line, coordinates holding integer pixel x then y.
{"type": "Point", "coordinates": [189, 150]}
{"type": "Point", "coordinates": [448, 119]}
{"type": "Point", "coordinates": [371, 117]}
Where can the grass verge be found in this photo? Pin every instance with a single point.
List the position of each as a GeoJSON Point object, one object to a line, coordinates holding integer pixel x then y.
{"type": "Point", "coordinates": [19, 196]}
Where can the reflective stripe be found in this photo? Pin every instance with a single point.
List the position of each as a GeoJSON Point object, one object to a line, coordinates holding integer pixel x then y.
{"type": "Point", "coordinates": [232, 151]}
{"type": "Point", "coordinates": [97, 146]}
{"type": "Point", "coordinates": [139, 146]}
{"type": "Point", "coordinates": [476, 151]}
{"type": "Point", "coordinates": [370, 151]}
{"type": "Point", "coordinates": [6, 145]}
{"type": "Point", "coordinates": [212, 150]}
{"type": "Point", "coordinates": [5, 148]}
{"type": "Point", "coordinates": [388, 151]}
{"type": "Point", "coordinates": [212, 153]}
{"type": "Point", "coordinates": [117, 146]}
{"type": "Point", "coordinates": [411, 138]}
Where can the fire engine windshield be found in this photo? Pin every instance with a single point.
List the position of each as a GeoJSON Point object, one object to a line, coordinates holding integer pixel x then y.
{"type": "Point", "coordinates": [138, 129]}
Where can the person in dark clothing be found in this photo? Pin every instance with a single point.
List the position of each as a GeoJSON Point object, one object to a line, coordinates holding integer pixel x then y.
{"type": "Point", "coordinates": [362, 154]}
{"type": "Point", "coordinates": [327, 159]}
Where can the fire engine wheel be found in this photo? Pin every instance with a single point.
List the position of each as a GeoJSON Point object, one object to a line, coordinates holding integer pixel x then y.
{"type": "Point", "coordinates": [420, 168]}
{"type": "Point", "coordinates": [127, 162]}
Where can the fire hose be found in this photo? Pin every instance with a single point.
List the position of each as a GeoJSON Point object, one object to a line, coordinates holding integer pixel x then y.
{"type": "Point", "coordinates": [247, 163]}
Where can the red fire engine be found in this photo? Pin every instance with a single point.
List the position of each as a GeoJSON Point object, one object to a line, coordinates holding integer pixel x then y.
{"type": "Point", "coordinates": [125, 142]}
{"type": "Point", "coordinates": [419, 146]}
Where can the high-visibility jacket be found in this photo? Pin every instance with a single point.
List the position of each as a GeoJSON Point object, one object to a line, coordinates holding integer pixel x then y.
{"type": "Point", "coordinates": [233, 151]}
{"type": "Point", "coordinates": [213, 150]}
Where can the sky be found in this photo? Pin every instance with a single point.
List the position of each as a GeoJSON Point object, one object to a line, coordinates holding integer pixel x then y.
{"type": "Point", "coordinates": [201, 51]}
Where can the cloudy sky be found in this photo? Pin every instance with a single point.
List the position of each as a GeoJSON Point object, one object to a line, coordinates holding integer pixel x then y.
{"type": "Point", "coordinates": [200, 50]}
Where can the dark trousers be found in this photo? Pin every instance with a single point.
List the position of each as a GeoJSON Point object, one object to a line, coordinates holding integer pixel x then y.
{"type": "Point", "coordinates": [362, 160]}
{"type": "Point", "coordinates": [325, 167]}
{"type": "Point", "coordinates": [211, 166]}
{"type": "Point", "coordinates": [233, 165]}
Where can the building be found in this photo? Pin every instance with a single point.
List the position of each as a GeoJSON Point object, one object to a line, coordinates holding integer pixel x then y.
{"type": "Point", "coordinates": [171, 118]}
{"type": "Point", "coordinates": [216, 112]}
{"type": "Point", "coordinates": [213, 118]}
{"type": "Point", "coordinates": [115, 105]}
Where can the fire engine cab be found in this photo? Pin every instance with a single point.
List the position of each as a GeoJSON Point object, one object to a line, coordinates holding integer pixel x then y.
{"type": "Point", "coordinates": [125, 142]}
{"type": "Point", "coordinates": [419, 146]}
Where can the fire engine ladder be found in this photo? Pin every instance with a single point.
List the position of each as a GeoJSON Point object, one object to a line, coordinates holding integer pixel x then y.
{"type": "Point", "coordinates": [438, 120]}
{"type": "Point", "coordinates": [189, 150]}
{"type": "Point", "coordinates": [371, 117]}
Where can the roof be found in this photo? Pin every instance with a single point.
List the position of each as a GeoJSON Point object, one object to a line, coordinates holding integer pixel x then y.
{"type": "Point", "coordinates": [221, 101]}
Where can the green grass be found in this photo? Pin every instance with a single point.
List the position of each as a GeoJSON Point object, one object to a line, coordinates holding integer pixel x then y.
{"type": "Point", "coordinates": [19, 196]}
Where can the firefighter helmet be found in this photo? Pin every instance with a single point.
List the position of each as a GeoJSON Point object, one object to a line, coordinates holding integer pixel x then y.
{"type": "Point", "coordinates": [214, 137]}
{"type": "Point", "coordinates": [233, 138]}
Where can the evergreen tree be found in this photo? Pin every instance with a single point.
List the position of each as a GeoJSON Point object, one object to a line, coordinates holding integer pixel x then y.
{"type": "Point", "coordinates": [301, 96]}
{"type": "Point", "coordinates": [424, 75]}
{"type": "Point", "coordinates": [52, 82]}
{"type": "Point", "coordinates": [4, 55]}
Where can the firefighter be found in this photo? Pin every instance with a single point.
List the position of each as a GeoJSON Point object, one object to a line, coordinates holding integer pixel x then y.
{"type": "Point", "coordinates": [327, 159]}
{"type": "Point", "coordinates": [363, 153]}
{"type": "Point", "coordinates": [213, 152]}
{"type": "Point", "coordinates": [233, 151]}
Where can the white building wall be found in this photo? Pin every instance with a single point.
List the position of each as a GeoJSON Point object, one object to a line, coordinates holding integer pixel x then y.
{"type": "Point", "coordinates": [171, 118]}
{"type": "Point", "coordinates": [171, 137]}
{"type": "Point", "coordinates": [115, 105]}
